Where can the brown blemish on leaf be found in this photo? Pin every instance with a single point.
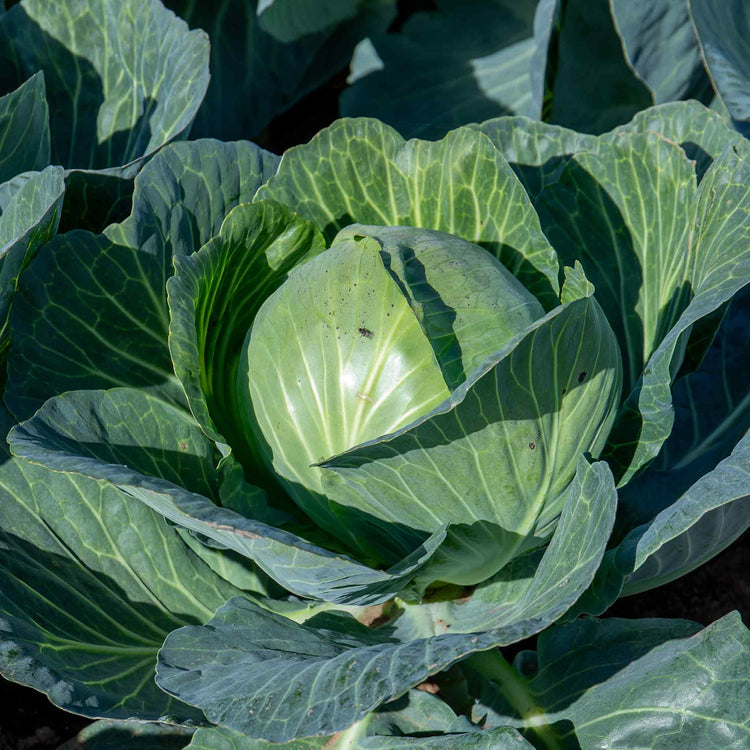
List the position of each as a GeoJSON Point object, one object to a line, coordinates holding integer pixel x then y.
{"type": "Point", "coordinates": [365, 333]}
{"type": "Point", "coordinates": [429, 687]}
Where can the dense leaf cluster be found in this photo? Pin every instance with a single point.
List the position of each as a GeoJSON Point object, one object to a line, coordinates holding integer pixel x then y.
{"type": "Point", "coordinates": [297, 444]}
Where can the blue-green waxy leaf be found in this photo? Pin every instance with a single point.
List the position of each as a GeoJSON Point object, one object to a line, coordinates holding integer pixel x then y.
{"type": "Point", "coordinates": [712, 413]}
{"type": "Point", "coordinates": [265, 55]}
{"type": "Point", "coordinates": [24, 129]}
{"type": "Point", "coordinates": [156, 453]}
{"type": "Point", "coordinates": [213, 299]}
{"type": "Point", "coordinates": [462, 62]}
{"type": "Point", "coordinates": [704, 520]}
{"type": "Point", "coordinates": [363, 171]}
{"type": "Point", "coordinates": [103, 297]}
{"type": "Point", "coordinates": [723, 30]}
{"type": "Point", "coordinates": [93, 580]}
{"type": "Point", "coordinates": [183, 195]}
{"type": "Point", "coordinates": [702, 133]}
{"type": "Point", "coordinates": [30, 207]}
{"type": "Point", "coordinates": [135, 735]}
{"type": "Point", "coordinates": [536, 151]}
{"type": "Point", "coordinates": [632, 683]}
{"type": "Point", "coordinates": [288, 20]}
{"type": "Point", "coordinates": [494, 459]}
{"type": "Point", "coordinates": [123, 78]}
{"type": "Point", "coordinates": [660, 45]}
{"type": "Point", "coordinates": [271, 678]}
{"type": "Point", "coordinates": [638, 259]}
{"type": "Point", "coordinates": [416, 720]}
{"type": "Point", "coordinates": [592, 88]}
{"type": "Point", "coordinates": [720, 267]}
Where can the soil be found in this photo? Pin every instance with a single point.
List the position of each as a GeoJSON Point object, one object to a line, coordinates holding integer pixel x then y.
{"type": "Point", "coordinates": [28, 721]}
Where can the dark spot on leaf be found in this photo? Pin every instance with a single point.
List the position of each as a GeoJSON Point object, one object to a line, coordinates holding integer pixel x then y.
{"type": "Point", "coordinates": [366, 332]}
{"type": "Point", "coordinates": [183, 445]}
{"type": "Point", "coordinates": [581, 376]}
{"type": "Point", "coordinates": [532, 446]}
{"type": "Point", "coordinates": [565, 390]}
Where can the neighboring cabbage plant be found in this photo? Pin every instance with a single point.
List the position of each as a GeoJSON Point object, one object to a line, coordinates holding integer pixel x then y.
{"type": "Point", "coordinates": [302, 434]}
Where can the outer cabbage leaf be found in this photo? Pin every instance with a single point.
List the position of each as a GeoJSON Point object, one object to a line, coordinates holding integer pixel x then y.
{"type": "Point", "coordinates": [459, 63]}
{"type": "Point", "coordinates": [30, 208]}
{"type": "Point", "coordinates": [114, 735]}
{"type": "Point", "coordinates": [123, 78]}
{"type": "Point", "coordinates": [634, 683]}
{"type": "Point", "coordinates": [92, 583]}
{"type": "Point", "coordinates": [285, 680]}
{"type": "Point", "coordinates": [24, 129]}
{"type": "Point", "coordinates": [591, 86]}
{"type": "Point", "coordinates": [157, 453]}
{"type": "Point", "coordinates": [103, 297]}
{"type": "Point", "coordinates": [661, 47]}
{"type": "Point", "coordinates": [265, 56]}
{"type": "Point", "coordinates": [720, 268]}
{"type": "Point", "coordinates": [213, 299]}
{"type": "Point", "coordinates": [363, 171]}
{"type": "Point", "coordinates": [722, 31]}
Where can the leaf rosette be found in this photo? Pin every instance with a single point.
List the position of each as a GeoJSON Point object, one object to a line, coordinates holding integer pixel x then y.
{"type": "Point", "coordinates": [389, 372]}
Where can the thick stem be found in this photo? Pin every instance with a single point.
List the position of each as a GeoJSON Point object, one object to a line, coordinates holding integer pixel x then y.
{"type": "Point", "coordinates": [515, 687]}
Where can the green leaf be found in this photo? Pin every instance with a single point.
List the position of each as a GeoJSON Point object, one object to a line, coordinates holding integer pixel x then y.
{"type": "Point", "coordinates": [536, 151]}
{"type": "Point", "coordinates": [700, 524]}
{"type": "Point", "coordinates": [546, 26]}
{"type": "Point", "coordinates": [88, 313]}
{"type": "Point", "coordinates": [256, 76]}
{"type": "Point", "coordinates": [503, 738]}
{"type": "Point", "coordinates": [515, 429]}
{"type": "Point", "coordinates": [692, 529]}
{"type": "Point", "coordinates": [30, 207]}
{"type": "Point", "coordinates": [702, 133]}
{"type": "Point", "coordinates": [156, 453]}
{"type": "Point", "coordinates": [722, 32]}
{"type": "Point", "coordinates": [249, 663]}
{"type": "Point", "coordinates": [362, 171]}
{"type": "Point", "coordinates": [24, 129]}
{"type": "Point", "coordinates": [123, 78]}
{"type": "Point", "coordinates": [288, 20]}
{"type": "Point", "coordinates": [114, 735]}
{"type": "Point", "coordinates": [530, 586]}
{"type": "Point", "coordinates": [214, 297]}
{"type": "Point", "coordinates": [93, 580]}
{"type": "Point", "coordinates": [660, 46]}
{"type": "Point", "coordinates": [691, 692]}
{"type": "Point", "coordinates": [627, 680]}
{"type": "Point", "coordinates": [102, 297]}
{"type": "Point", "coordinates": [712, 412]}
{"type": "Point", "coordinates": [721, 267]}
{"type": "Point", "coordinates": [183, 195]}
{"type": "Point", "coordinates": [219, 738]}
{"type": "Point", "coordinates": [631, 232]}
{"type": "Point", "coordinates": [592, 88]}
{"type": "Point", "coordinates": [462, 62]}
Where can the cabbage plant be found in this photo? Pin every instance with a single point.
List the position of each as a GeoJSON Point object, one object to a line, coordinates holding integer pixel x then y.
{"type": "Point", "coordinates": [300, 435]}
